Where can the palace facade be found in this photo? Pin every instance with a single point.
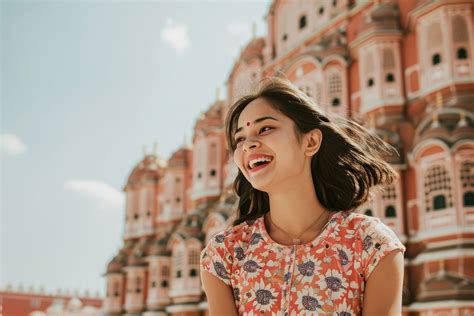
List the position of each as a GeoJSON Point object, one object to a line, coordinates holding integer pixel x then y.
{"type": "Point", "coordinates": [405, 69]}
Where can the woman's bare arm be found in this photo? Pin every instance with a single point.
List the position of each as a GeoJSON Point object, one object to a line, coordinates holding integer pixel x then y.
{"type": "Point", "coordinates": [219, 296]}
{"type": "Point", "coordinates": [383, 291]}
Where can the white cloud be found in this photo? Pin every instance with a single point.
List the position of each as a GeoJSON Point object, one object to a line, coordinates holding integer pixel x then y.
{"type": "Point", "coordinates": [240, 29]}
{"type": "Point", "coordinates": [175, 34]}
{"type": "Point", "coordinates": [12, 144]}
{"type": "Point", "coordinates": [98, 193]}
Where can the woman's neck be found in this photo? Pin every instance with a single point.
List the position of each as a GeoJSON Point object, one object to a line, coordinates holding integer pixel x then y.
{"type": "Point", "coordinates": [295, 206]}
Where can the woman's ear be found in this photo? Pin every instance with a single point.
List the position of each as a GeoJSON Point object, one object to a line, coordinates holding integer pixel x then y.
{"type": "Point", "coordinates": [313, 142]}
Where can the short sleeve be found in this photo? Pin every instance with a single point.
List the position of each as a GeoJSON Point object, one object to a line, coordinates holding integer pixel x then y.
{"type": "Point", "coordinates": [216, 259]}
{"type": "Point", "coordinates": [378, 240]}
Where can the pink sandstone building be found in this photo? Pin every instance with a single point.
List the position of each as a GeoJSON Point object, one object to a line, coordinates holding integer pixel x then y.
{"type": "Point", "coordinates": [403, 68]}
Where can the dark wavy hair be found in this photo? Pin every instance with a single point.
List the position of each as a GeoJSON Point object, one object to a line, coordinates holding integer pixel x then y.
{"type": "Point", "coordinates": [348, 163]}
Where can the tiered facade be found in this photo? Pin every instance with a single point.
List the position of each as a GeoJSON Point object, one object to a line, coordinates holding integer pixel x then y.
{"type": "Point", "coordinates": [403, 68]}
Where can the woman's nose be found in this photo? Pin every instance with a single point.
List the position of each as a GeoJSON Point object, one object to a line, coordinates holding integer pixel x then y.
{"type": "Point", "coordinates": [250, 143]}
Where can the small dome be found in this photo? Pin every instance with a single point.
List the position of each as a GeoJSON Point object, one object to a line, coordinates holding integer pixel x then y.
{"type": "Point", "coordinates": [150, 168]}
{"type": "Point", "coordinates": [74, 304]}
{"type": "Point", "coordinates": [180, 157]}
{"type": "Point", "coordinates": [254, 49]}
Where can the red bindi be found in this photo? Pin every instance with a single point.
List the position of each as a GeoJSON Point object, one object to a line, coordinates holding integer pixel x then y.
{"type": "Point", "coordinates": [248, 123]}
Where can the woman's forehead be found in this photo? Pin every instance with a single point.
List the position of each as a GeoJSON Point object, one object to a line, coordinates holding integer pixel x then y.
{"type": "Point", "coordinates": [256, 109]}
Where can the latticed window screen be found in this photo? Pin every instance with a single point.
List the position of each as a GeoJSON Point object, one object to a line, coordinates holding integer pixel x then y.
{"type": "Point", "coordinates": [165, 271]}
{"type": "Point", "coordinates": [335, 85]}
{"type": "Point", "coordinates": [369, 64]}
{"type": "Point", "coordinates": [388, 59]}
{"type": "Point", "coordinates": [438, 191]}
{"type": "Point", "coordinates": [435, 38]}
{"type": "Point", "coordinates": [193, 257]}
{"type": "Point", "coordinates": [212, 154]}
{"type": "Point", "coordinates": [459, 28]}
{"type": "Point", "coordinates": [467, 175]}
{"type": "Point", "coordinates": [389, 194]}
{"type": "Point", "coordinates": [467, 182]}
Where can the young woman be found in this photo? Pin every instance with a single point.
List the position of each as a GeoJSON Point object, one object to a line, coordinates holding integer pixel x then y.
{"type": "Point", "coordinates": [296, 247]}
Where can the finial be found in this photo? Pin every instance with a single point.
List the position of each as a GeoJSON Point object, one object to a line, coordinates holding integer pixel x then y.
{"type": "Point", "coordinates": [439, 100]}
{"type": "Point", "coordinates": [254, 30]}
{"type": "Point", "coordinates": [218, 92]}
{"type": "Point", "coordinates": [462, 119]}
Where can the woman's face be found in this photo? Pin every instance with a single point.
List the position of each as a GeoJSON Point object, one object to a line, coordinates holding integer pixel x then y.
{"type": "Point", "coordinates": [268, 152]}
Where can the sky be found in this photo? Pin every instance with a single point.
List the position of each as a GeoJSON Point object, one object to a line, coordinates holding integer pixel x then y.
{"type": "Point", "coordinates": [84, 86]}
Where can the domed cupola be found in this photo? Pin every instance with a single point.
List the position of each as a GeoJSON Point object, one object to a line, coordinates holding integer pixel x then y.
{"type": "Point", "coordinates": [141, 196]}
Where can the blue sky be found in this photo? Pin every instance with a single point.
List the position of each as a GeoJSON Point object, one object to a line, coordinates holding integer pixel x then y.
{"type": "Point", "coordinates": [85, 85]}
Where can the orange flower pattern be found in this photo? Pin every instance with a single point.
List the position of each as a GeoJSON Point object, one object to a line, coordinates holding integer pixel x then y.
{"type": "Point", "coordinates": [323, 277]}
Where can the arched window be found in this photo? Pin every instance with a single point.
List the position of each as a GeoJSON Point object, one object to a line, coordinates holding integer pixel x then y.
{"type": "Point", "coordinates": [370, 82]}
{"type": "Point", "coordinates": [164, 283]}
{"type": "Point", "coordinates": [439, 202]}
{"type": "Point", "coordinates": [368, 212]}
{"type": "Point", "coordinates": [335, 102]}
{"type": "Point", "coordinates": [193, 272]}
{"type": "Point", "coordinates": [213, 172]}
{"type": "Point", "coordinates": [321, 11]}
{"type": "Point", "coordinates": [461, 53]}
{"type": "Point", "coordinates": [436, 59]}
{"type": "Point", "coordinates": [390, 212]}
{"type": "Point", "coordinates": [302, 22]}
{"type": "Point", "coordinates": [469, 198]}
{"type": "Point", "coordinates": [390, 78]}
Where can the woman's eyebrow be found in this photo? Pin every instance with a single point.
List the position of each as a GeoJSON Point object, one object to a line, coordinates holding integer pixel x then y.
{"type": "Point", "coordinates": [257, 121]}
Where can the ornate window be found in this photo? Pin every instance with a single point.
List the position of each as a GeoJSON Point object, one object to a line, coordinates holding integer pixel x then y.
{"type": "Point", "coordinates": [369, 212]}
{"type": "Point", "coordinates": [193, 257]}
{"type": "Point", "coordinates": [467, 182]}
{"type": "Point", "coordinates": [437, 189]}
{"type": "Point", "coordinates": [335, 88]}
{"type": "Point", "coordinates": [435, 43]}
{"type": "Point", "coordinates": [460, 37]}
{"type": "Point", "coordinates": [369, 69]}
{"type": "Point", "coordinates": [388, 64]}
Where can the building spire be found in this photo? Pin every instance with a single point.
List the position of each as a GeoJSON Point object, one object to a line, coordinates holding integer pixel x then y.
{"type": "Point", "coordinates": [462, 119]}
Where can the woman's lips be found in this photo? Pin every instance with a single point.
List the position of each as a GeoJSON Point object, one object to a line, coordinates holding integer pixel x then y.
{"type": "Point", "coordinates": [260, 167]}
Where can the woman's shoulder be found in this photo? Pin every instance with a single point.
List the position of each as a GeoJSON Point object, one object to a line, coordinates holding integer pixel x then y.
{"type": "Point", "coordinates": [233, 234]}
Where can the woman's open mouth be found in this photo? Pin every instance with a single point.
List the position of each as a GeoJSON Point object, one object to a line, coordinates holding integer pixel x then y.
{"type": "Point", "coordinates": [259, 163]}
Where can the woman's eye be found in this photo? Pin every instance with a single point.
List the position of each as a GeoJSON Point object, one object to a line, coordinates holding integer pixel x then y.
{"type": "Point", "coordinates": [238, 140]}
{"type": "Point", "coordinates": [265, 128]}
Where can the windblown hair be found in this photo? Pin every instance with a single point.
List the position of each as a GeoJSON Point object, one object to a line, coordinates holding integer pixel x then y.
{"type": "Point", "coordinates": [348, 163]}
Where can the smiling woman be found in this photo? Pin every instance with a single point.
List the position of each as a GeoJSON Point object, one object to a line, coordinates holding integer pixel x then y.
{"type": "Point", "coordinates": [296, 245]}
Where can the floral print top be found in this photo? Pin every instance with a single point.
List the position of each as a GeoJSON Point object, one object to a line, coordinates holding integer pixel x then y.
{"type": "Point", "coordinates": [323, 277]}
